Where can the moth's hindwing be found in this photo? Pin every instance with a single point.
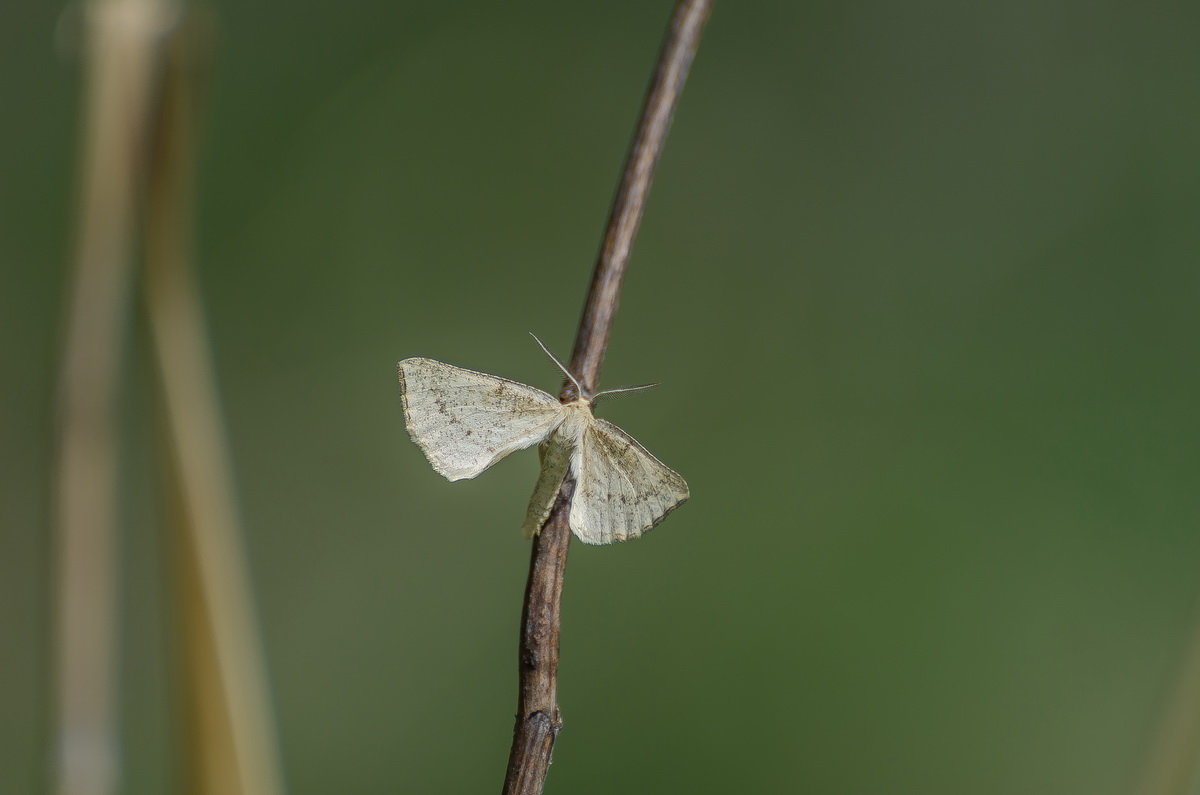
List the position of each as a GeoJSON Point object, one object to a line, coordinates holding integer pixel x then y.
{"type": "Point", "coordinates": [556, 459]}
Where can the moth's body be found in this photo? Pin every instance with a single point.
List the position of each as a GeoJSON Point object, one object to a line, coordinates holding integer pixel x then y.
{"type": "Point", "coordinates": [560, 454]}
{"type": "Point", "coordinates": [465, 421]}
{"type": "Point", "coordinates": [577, 416]}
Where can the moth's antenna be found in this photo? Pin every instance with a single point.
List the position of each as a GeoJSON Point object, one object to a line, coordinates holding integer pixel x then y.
{"type": "Point", "coordinates": [561, 366]}
{"type": "Point", "coordinates": [622, 389]}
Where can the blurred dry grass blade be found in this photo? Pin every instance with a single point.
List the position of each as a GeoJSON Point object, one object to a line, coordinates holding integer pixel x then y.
{"type": "Point", "coordinates": [122, 40]}
{"type": "Point", "coordinates": [230, 741]}
{"type": "Point", "coordinates": [1173, 761]}
{"type": "Point", "coordinates": [135, 109]}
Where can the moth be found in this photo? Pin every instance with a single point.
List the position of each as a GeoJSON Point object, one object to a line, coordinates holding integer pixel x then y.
{"type": "Point", "coordinates": [465, 421]}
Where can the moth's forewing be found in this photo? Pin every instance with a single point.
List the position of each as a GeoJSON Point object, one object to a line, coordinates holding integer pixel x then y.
{"type": "Point", "coordinates": [621, 490]}
{"type": "Point", "coordinates": [465, 421]}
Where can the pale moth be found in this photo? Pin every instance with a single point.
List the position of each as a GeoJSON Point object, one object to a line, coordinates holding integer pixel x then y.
{"type": "Point", "coordinates": [466, 421]}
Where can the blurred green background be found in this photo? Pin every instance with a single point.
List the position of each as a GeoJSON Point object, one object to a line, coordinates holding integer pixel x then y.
{"type": "Point", "coordinates": [920, 280]}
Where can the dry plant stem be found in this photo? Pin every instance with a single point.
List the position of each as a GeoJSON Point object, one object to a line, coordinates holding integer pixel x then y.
{"type": "Point", "coordinates": [1173, 763]}
{"type": "Point", "coordinates": [675, 59]}
{"type": "Point", "coordinates": [122, 42]}
{"type": "Point", "coordinates": [538, 720]}
{"type": "Point", "coordinates": [230, 746]}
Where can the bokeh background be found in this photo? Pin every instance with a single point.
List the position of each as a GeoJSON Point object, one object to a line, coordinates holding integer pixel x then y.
{"type": "Point", "coordinates": [919, 279]}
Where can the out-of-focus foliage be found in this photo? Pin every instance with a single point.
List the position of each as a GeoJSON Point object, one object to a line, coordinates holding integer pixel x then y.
{"type": "Point", "coordinates": [920, 280]}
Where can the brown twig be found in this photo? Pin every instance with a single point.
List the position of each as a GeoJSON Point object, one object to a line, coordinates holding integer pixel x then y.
{"type": "Point", "coordinates": [538, 720]}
